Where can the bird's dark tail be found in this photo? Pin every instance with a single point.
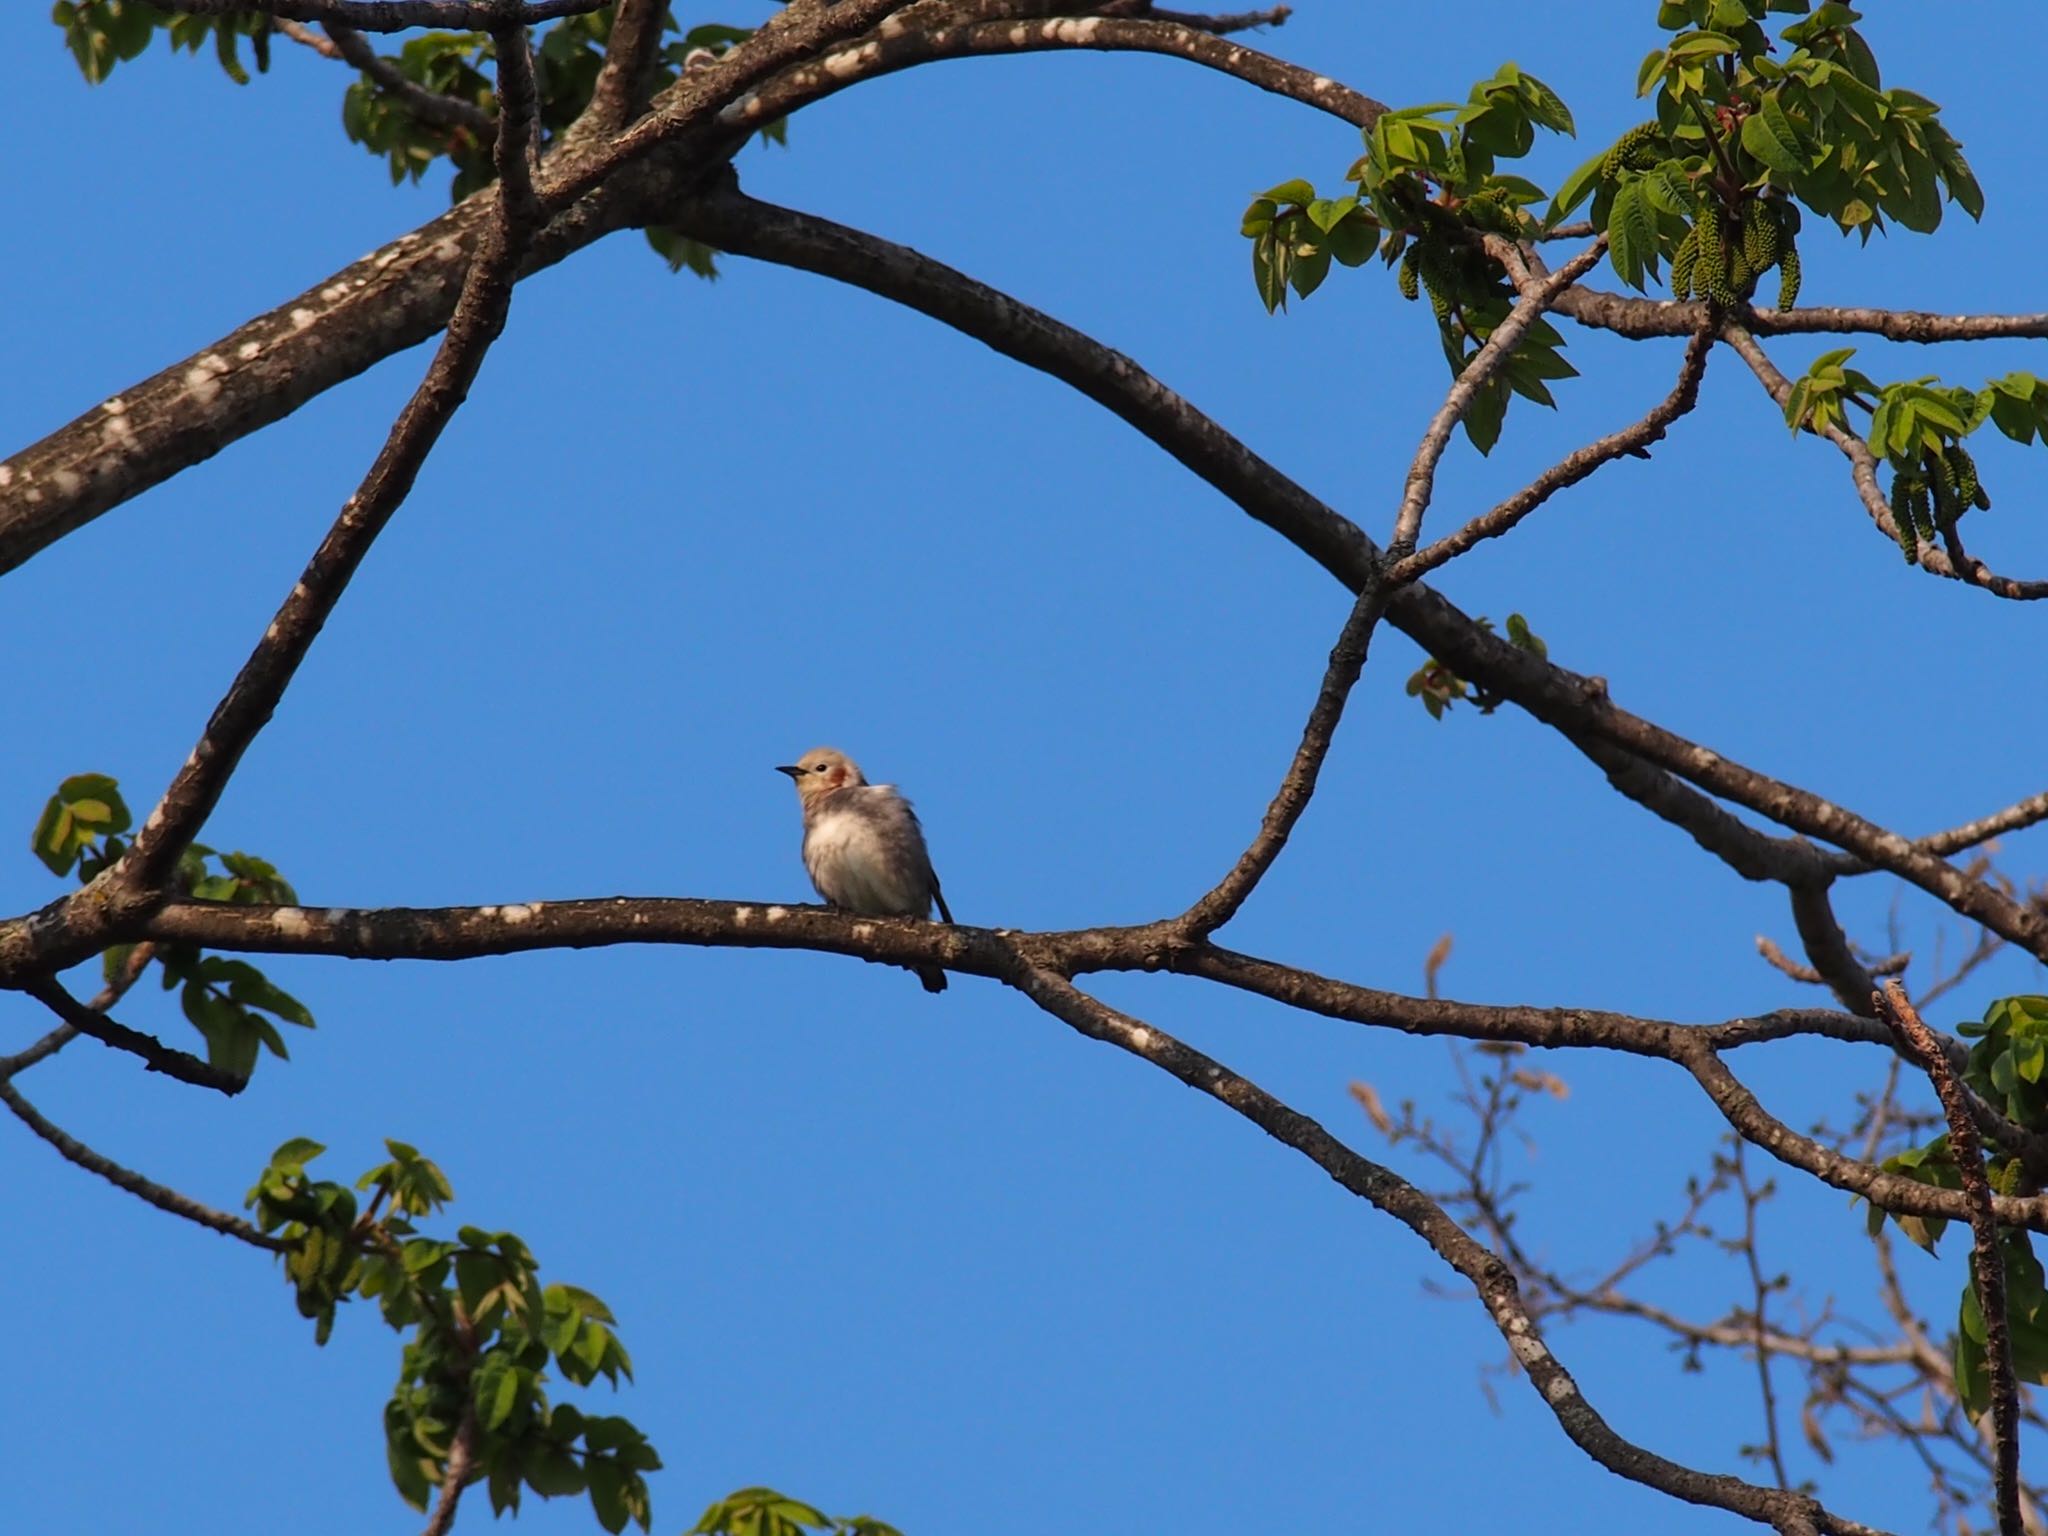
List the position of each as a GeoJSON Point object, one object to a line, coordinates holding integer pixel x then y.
{"type": "Point", "coordinates": [933, 978]}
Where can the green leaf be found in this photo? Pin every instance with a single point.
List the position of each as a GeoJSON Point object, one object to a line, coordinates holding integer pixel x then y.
{"type": "Point", "coordinates": [1770, 136]}
{"type": "Point", "coordinates": [1295, 191]}
{"type": "Point", "coordinates": [1632, 235]}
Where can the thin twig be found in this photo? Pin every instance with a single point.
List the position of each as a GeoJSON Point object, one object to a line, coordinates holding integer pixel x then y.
{"type": "Point", "coordinates": [1494, 1280]}
{"type": "Point", "coordinates": [426, 105]}
{"type": "Point", "coordinates": [139, 957]}
{"type": "Point", "coordinates": [1486, 362]}
{"type": "Point", "coordinates": [158, 1195]}
{"type": "Point", "coordinates": [1630, 440]}
{"type": "Point", "coordinates": [153, 1053]}
{"type": "Point", "coordinates": [1347, 660]}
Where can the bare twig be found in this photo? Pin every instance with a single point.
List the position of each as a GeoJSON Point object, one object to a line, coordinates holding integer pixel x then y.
{"type": "Point", "coordinates": [154, 1054]}
{"type": "Point", "coordinates": [164, 1199]}
{"type": "Point", "coordinates": [139, 957]}
{"type": "Point", "coordinates": [1633, 439]}
{"type": "Point", "coordinates": [1347, 660]}
{"type": "Point", "coordinates": [1495, 1282]}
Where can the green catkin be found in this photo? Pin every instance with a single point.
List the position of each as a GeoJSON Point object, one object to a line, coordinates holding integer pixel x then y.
{"type": "Point", "coordinates": [1945, 509]}
{"type": "Point", "coordinates": [1962, 470]}
{"type": "Point", "coordinates": [1630, 144]}
{"type": "Point", "coordinates": [1788, 275]}
{"type": "Point", "coordinates": [1710, 272]}
{"type": "Point", "coordinates": [1741, 275]}
{"type": "Point", "coordinates": [1408, 277]}
{"type": "Point", "coordinates": [1923, 512]}
{"type": "Point", "coordinates": [1761, 238]}
{"type": "Point", "coordinates": [1682, 262]}
{"type": "Point", "coordinates": [1436, 279]}
{"type": "Point", "coordinates": [1903, 521]}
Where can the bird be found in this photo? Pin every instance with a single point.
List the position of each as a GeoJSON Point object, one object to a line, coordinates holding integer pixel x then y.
{"type": "Point", "coordinates": [863, 846]}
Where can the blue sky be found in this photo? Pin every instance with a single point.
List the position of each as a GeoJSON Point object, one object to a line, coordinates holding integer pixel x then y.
{"type": "Point", "coordinates": [939, 1258]}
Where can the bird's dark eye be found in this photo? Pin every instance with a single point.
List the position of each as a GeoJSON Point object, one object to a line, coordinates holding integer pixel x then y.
{"type": "Point", "coordinates": [821, 767]}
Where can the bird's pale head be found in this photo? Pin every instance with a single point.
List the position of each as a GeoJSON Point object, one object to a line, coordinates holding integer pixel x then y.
{"type": "Point", "coordinates": [820, 771]}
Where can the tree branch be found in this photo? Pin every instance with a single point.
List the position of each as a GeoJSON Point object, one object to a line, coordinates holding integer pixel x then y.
{"type": "Point", "coordinates": [461, 1454]}
{"type": "Point", "coordinates": [1954, 562]}
{"type": "Point", "coordinates": [1987, 1262]}
{"type": "Point", "coordinates": [155, 1055]}
{"type": "Point", "coordinates": [479, 318]}
{"type": "Point", "coordinates": [394, 15]}
{"type": "Point", "coordinates": [628, 72]}
{"type": "Point", "coordinates": [1531, 304]}
{"type": "Point", "coordinates": [426, 105]}
{"type": "Point", "coordinates": [1347, 660]}
{"type": "Point", "coordinates": [1493, 1280]}
{"type": "Point", "coordinates": [1633, 439]}
{"type": "Point", "coordinates": [164, 1199]}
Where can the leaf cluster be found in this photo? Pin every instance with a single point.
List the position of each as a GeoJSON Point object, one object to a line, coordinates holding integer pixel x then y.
{"type": "Point", "coordinates": [1439, 687]}
{"type": "Point", "coordinates": [764, 1512]}
{"type": "Point", "coordinates": [103, 33]}
{"type": "Point", "coordinates": [2006, 1067]}
{"type": "Point", "coordinates": [483, 1336]}
{"type": "Point", "coordinates": [1428, 187]}
{"type": "Point", "coordinates": [1917, 427]}
{"type": "Point", "coordinates": [233, 1005]}
{"type": "Point", "coordinates": [1743, 138]}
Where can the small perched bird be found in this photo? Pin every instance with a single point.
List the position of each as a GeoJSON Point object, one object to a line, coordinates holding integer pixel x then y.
{"type": "Point", "coordinates": [863, 846]}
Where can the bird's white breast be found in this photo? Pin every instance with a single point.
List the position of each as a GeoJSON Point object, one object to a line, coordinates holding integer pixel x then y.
{"type": "Point", "coordinates": [849, 862]}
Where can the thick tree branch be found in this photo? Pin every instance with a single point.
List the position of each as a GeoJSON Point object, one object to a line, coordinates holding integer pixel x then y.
{"type": "Point", "coordinates": [1987, 1260]}
{"type": "Point", "coordinates": [394, 15]}
{"type": "Point", "coordinates": [164, 1199]}
{"type": "Point", "coordinates": [627, 75]}
{"type": "Point", "coordinates": [1347, 660]}
{"type": "Point", "coordinates": [1532, 303]}
{"type": "Point", "coordinates": [457, 933]}
{"type": "Point", "coordinates": [1633, 439]}
{"type": "Point", "coordinates": [1493, 1280]}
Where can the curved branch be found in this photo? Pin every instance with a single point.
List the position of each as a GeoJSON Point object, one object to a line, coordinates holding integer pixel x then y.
{"type": "Point", "coordinates": [1953, 562]}
{"type": "Point", "coordinates": [1530, 304]}
{"type": "Point", "coordinates": [426, 105]}
{"type": "Point", "coordinates": [158, 1195]}
{"type": "Point", "coordinates": [173, 1063]}
{"type": "Point", "coordinates": [1492, 1279]}
{"type": "Point", "coordinates": [1347, 660]}
{"type": "Point", "coordinates": [1633, 439]}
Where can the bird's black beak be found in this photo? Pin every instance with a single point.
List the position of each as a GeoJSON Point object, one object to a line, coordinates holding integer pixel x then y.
{"type": "Point", "coordinates": [789, 768]}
